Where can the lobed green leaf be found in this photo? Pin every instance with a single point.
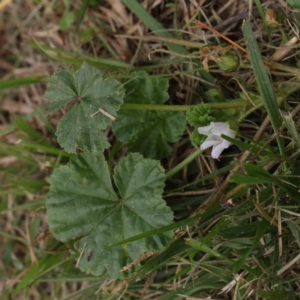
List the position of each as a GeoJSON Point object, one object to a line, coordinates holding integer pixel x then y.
{"type": "Point", "coordinates": [96, 103]}
{"type": "Point", "coordinates": [148, 132]}
{"type": "Point", "coordinates": [87, 208]}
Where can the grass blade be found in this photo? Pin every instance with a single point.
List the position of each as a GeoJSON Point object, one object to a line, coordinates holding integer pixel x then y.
{"type": "Point", "coordinates": [81, 12]}
{"type": "Point", "coordinates": [158, 29]}
{"type": "Point", "coordinates": [150, 22]}
{"type": "Point", "coordinates": [75, 58]}
{"type": "Point", "coordinates": [14, 83]}
{"type": "Point", "coordinates": [264, 83]}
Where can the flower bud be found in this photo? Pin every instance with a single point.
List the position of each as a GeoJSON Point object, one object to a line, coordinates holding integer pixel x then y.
{"type": "Point", "coordinates": [229, 62]}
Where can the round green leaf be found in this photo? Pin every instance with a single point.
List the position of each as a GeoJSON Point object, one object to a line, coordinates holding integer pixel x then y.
{"type": "Point", "coordinates": [96, 102]}
{"type": "Point", "coordinates": [143, 89]}
{"type": "Point", "coordinates": [83, 205]}
{"type": "Point", "coordinates": [148, 132]}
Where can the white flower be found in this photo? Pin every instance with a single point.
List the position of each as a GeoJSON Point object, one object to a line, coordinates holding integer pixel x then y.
{"type": "Point", "coordinates": [214, 132]}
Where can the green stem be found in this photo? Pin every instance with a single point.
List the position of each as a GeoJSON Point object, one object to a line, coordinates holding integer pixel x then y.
{"type": "Point", "coordinates": [185, 162]}
{"type": "Point", "coordinates": [231, 104]}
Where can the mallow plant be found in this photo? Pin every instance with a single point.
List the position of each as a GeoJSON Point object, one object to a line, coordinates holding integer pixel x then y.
{"type": "Point", "coordinates": [113, 218]}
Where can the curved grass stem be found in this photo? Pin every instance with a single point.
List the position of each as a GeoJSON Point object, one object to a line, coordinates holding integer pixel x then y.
{"type": "Point", "coordinates": [184, 163]}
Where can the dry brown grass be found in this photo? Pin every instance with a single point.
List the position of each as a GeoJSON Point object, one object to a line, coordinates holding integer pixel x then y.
{"type": "Point", "coordinates": [116, 34]}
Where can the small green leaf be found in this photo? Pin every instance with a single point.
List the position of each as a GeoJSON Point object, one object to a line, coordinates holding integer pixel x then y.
{"type": "Point", "coordinates": [199, 115]}
{"type": "Point", "coordinates": [148, 132]}
{"type": "Point", "coordinates": [82, 204]}
{"type": "Point", "coordinates": [197, 138]}
{"type": "Point", "coordinates": [96, 98]}
{"type": "Point", "coordinates": [67, 20]}
{"type": "Point", "coordinates": [214, 95]}
{"type": "Point", "coordinates": [229, 62]}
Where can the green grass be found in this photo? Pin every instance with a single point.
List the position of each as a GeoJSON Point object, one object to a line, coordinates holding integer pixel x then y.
{"type": "Point", "coordinates": [237, 232]}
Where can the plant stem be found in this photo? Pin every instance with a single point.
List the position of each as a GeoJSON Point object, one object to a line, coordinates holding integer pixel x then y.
{"type": "Point", "coordinates": [132, 106]}
{"type": "Point", "coordinates": [185, 162]}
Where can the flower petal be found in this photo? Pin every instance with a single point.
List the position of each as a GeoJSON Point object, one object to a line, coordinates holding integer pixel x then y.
{"type": "Point", "coordinates": [208, 144]}
{"type": "Point", "coordinates": [206, 130]}
{"type": "Point", "coordinates": [216, 151]}
{"type": "Point", "coordinates": [214, 138]}
{"type": "Point", "coordinates": [219, 128]}
{"type": "Point", "coordinates": [226, 143]}
{"type": "Point", "coordinates": [211, 140]}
